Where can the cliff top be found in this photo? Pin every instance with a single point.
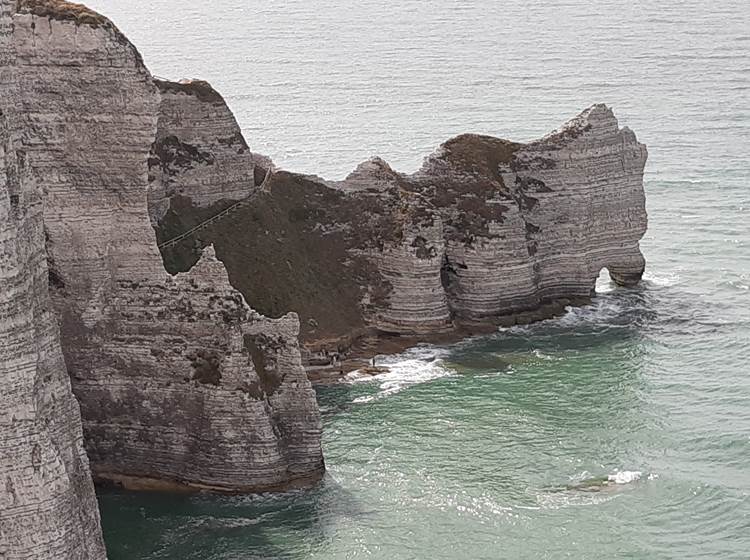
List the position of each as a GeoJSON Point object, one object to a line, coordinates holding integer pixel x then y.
{"type": "Point", "coordinates": [476, 152]}
{"type": "Point", "coordinates": [199, 88]}
{"type": "Point", "coordinates": [62, 10]}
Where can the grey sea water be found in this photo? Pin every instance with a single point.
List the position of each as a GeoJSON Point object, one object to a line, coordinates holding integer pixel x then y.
{"type": "Point", "coordinates": [459, 457]}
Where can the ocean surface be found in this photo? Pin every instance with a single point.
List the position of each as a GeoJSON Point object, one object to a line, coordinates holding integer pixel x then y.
{"type": "Point", "coordinates": [465, 451]}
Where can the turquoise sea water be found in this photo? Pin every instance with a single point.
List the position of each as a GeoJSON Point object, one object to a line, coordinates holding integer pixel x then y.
{"type": "Point", "coordinates": [462, 456]}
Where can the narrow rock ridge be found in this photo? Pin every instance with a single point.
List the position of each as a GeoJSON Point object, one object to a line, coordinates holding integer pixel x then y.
{"type": "Point", "coordinates": [48, 509]}
{"type": "Point", "coordinates": [488, 232]}
{"type": "Point", "coordinates": [181, 384]}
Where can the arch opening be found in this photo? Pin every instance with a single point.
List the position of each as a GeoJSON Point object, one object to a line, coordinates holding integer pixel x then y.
{"type": "Point", "coordinates": [604, 283]}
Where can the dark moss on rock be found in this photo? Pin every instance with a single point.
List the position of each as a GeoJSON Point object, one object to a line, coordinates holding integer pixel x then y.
{"type": "Point", "coordinates": [173, 156]}
{"type": "Point", "coordinates": [206, 366]}
{"type": "Point", "coordinates": [463, 181]}
{"type": "Point", "coordinates": [66, 11]}
{"type": "Point", "coordinates": [424, 251]}
{"type": "Point", "coordinates": [297, 246]}
{"type": "Point", "coordinates": [199, 88]}
{"type": "Point", "coordinates": [263, 351]}
{"type": "Point", "coordinates": [478, 153]}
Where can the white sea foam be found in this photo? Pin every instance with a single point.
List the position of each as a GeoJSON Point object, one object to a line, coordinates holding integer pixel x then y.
{"type": "Point", "coordinates": [604, 283]}
{"type": "Point", "coordinates": [661, 279]}
{"type": "Point", "coordinates": [618, 476]}
{"type": "Point", "coordinates": [541, 355]}
{"type": "Point", "coordinates": [561, 500]}
{"type": "Point", "coordinates": [212, 522]}
{"type": "Point", "coordinates": [603, 310]}
{"type": "Point", "coordinates": [741, 284]}
{"type": "Point", "coordinates": [556, 499]}
{"type": "Point", "coordinates": [624, 477]}
{"type": "Point", "coordinates": [414, 366]}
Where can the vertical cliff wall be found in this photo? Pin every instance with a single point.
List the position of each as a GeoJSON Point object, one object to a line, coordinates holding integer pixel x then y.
{"type": "Point", "coordinates": [528, 225]}
{"type": "Point", "coordinates": [199, 152]}
{"type": "Point", "coordinates": [48, 509]}
{"type": "Point", "coordinates": [181, 384]}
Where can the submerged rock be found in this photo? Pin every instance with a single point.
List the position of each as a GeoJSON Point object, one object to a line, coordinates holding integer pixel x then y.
{"type": "Point", "coordinates": [599, 483]}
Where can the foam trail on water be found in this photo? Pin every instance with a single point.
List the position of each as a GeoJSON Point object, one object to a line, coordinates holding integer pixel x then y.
{"type": "Point", "coordinates": [603, 311]}
{"type": "Point", "coordinates": [661, 279]}
{"type": "Point", "coordinates": [414, 366]}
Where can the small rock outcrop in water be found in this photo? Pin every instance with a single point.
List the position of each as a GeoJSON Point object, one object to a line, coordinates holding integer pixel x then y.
{"type": "Point", "coordinates": [488, 232]}
{"type": "Point", "coordinates": [181, 384]}
{"type": "Point", "coordinates": [48, 508]}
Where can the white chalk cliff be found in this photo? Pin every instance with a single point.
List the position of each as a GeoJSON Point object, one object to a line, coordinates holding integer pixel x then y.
{"type": "Point", "coordinates": [183, 378]}
{"type": "Point", "coordinates": [180, 383]}
{"type": "Point", "coordinates": [48, 509]}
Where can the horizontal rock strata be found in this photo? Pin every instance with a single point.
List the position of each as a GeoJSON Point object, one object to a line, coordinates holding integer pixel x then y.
{"type": "Point", "coordinates": [48, 509]}
{"type": "Point", "coordinates": [181, 383]}
{"type": "Point", "coordinates": [199, 150]}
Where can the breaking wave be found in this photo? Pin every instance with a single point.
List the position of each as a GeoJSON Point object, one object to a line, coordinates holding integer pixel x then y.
{"type": "Point", "coordinates": [416, 365]}
{"type": "Point", "coordinates": [661, 280]}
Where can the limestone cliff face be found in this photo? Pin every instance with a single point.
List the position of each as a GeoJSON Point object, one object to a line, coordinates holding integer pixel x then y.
{"type": "Point", "coordinates": [487, 232]}
{"type": "Point", "coordinates": [530, 225]}
{"type": "Point", "coordinates": [181, 384]}
{"type": "Point", "coordinates": [199, 150]}
{"type": "Point", "coordinates": [48, 509]}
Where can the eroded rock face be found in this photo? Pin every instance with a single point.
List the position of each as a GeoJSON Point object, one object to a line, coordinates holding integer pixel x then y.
{"type": "Point", "coordinates": [181, 384]}
{"type": "Point", "coordinates": [487, 232]}
{"type": "Point", "coordinates": [48, 509]}
{"type": "Point", "coordinates": [532, 224]}
{"type": "Point", "coordinates": [199, 150]}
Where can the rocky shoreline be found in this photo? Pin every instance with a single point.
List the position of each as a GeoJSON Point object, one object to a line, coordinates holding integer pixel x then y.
{"type": "Point", "coordinates": [193, 282]}
{"type": "Point", "coordinates": [359, 355]}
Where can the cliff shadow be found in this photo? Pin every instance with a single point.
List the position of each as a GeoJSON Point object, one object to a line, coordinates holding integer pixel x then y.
{"type": "Point", "coordinates": [205, 526]}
